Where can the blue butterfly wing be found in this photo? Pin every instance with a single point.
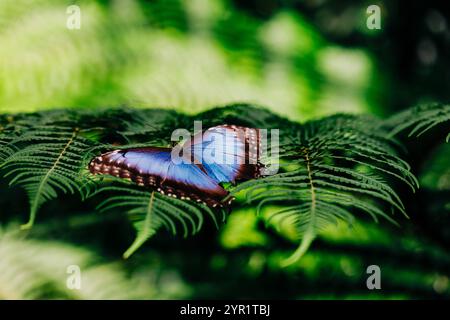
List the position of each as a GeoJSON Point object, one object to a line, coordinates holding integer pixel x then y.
{"type": "Point", "coordinates": [191, 178]}
{"type": "Point", "coordinates": [228, 153]}
{"type": "Point", "coordinates": [153, 167]}
{"type": "Point", "coordinates": [223, 154]}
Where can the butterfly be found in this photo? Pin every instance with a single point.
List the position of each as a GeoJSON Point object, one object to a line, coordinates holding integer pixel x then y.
{"type": "Point", "coordinates": [221, 154]}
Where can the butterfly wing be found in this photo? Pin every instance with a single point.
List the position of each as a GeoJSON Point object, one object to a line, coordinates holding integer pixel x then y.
{"type": "Point", "coordinates": [228, 153]}
{"type": "Point", "coordinates": [153, 167]}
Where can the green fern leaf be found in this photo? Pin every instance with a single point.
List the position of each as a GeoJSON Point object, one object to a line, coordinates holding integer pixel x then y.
{"type": "Point", "coordinates": [47, 160]}
{"type": "Point", "coordinates": [149, 211]}
{"type": "Point", "coordinates": [421, 119]}
{"type": "Point", "coordinates": [332, 168]}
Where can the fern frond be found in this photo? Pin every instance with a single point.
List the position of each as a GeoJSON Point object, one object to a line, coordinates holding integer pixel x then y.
{"type": "Point", "coordinates": [47, 160]}
{"type": "Point", "coordinates": [153, 125]}
{"type": "Point", "coordinates": [342, 164]}
{"type": "Point", "coordinates": [329, 169]}
{"type": "Point", "coordinates": [6, 136]}
{"type": "Point", "coordinates": [149, 211]}
{"type": "Point", "coordinates": [11, 127]}
{"type": "Point", "coordinates": [420, 119]}
{"type": "Point", "coordinates": [245, 115]}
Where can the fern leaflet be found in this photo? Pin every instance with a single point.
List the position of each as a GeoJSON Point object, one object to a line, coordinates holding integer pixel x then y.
{"type": "Point", "coordinates": [421, 119]}
{"type": "Point", "coordinates": [48, 160]}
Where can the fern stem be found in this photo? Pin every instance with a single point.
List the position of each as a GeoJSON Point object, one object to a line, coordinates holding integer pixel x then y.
{"type": "Point", "coordinates": [309, 234]}
{"type": "Point", "coordinates": [36, 203]}
{"type": "Point", "coordinates": [307, 239]}
{"type": "Point", "coordinates": [146, 232]}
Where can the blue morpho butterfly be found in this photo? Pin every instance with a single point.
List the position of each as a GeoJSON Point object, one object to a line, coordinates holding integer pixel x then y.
{"type": "Point", "coordinates": [221, 154]}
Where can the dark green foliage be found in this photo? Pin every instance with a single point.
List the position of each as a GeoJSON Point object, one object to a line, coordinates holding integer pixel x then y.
{"type": "Point", "coordinates": [334, 167]}
{"type": "Point", "coordinates": [330, 168]}
{"type": "Point", "coordinates": [420, 119]}
{"type": "Point", "coordinates": [149, 211]}
{"type": "Point", "coordinates": [47, 155]}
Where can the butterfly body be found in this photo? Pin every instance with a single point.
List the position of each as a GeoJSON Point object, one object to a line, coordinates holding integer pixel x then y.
{"type": "Point", "coordinates": [199, 180]}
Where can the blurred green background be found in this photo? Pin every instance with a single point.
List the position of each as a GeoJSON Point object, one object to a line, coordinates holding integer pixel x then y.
{"type": "Point", "coordinates": [301, 59]}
